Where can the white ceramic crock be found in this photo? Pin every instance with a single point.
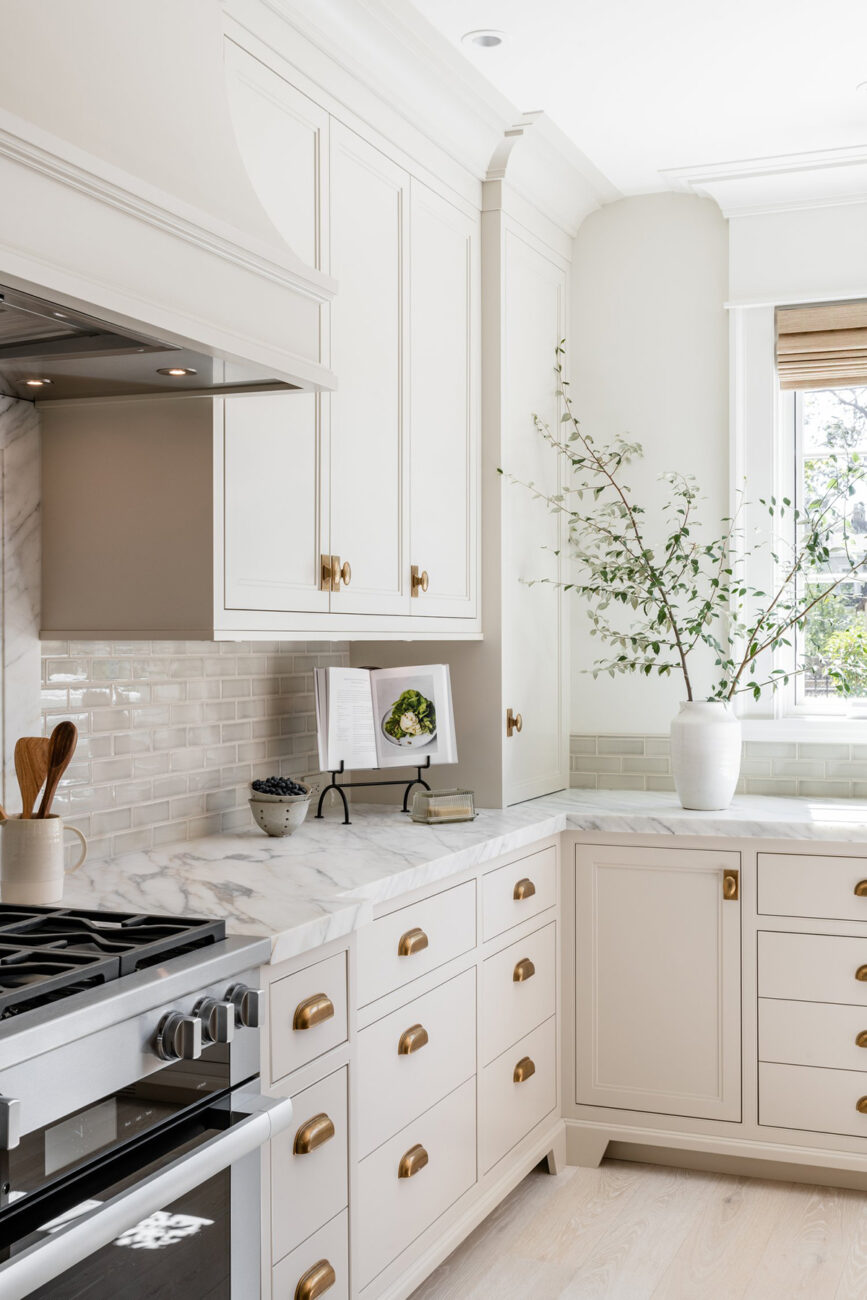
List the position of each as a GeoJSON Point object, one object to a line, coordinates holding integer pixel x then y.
{"type": "Point", "coordinates": [31, 859]}
{"type": "Point", "coordinates": [706, 754]}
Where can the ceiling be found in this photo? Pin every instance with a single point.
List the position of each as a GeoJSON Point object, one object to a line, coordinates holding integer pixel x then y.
{"type": "Point", "coordinates": [682, 85]}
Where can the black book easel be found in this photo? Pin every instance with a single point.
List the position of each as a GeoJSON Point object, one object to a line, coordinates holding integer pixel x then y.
{"type": "Point", "coordinates": [351, 785]}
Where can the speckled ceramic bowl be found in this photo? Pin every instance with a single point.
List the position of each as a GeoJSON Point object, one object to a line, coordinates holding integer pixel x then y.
{"type": "Point", "coordinates": [279, 814]}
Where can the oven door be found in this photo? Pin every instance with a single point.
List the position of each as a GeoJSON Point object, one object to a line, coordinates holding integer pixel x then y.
{"type": "Point", "coordinates": [177, 1216]}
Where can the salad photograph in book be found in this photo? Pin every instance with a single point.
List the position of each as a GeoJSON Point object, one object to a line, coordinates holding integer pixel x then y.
{"type": "Point", "coordinates": [384, 717]}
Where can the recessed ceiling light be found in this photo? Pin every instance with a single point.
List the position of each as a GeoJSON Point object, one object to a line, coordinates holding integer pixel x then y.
{"type": "Point", "coordinates": [484, 39]}
{"type": "Point", "coordinates": [37, 383]}
{"type": "Point", "coordinates": [177, 372]}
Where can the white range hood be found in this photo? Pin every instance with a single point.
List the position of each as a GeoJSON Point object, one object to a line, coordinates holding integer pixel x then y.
{"type": "Point", "coordinates": [124, 197]}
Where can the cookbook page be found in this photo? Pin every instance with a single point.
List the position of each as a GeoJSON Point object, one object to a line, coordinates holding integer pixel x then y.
{"type": "Point", "coordinates": [348, 719]}
{"type": "Point", "coordinates": [413, 715]}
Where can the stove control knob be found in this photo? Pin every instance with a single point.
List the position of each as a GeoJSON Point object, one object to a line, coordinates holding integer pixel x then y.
{"type": "Point", "coordinates": [218, 1020]}
{"type": "Point", "coordinates": [179, 1037]}
{"type": "Point", "coordinates": [248, 1003]}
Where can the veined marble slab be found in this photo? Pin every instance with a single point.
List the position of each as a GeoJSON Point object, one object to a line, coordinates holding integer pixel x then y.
{"type": "Point", "coordinates": [324, 881]}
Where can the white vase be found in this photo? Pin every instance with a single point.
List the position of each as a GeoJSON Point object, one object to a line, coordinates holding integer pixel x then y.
{"type": "Point", "coordinates": [705, 754]}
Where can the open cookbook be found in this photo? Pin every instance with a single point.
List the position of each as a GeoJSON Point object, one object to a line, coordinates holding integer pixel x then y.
{"type": "Point", "coordinates": [384, 717]}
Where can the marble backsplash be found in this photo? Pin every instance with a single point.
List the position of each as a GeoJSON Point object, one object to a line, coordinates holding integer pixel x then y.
{"type": "Point", "coordinates": [811, 769]}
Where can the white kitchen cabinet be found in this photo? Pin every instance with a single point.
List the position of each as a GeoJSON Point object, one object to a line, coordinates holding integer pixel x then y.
{"type": "Point", "coordinates": [444, 404]}
{"type": "Point", "coordinates": [657, 950]}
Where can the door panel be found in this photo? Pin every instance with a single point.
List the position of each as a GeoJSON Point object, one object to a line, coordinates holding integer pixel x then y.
{"type": "Point", "coordinates": [443, 403]}
{"type": "Point", "coordinates": [368, 474]}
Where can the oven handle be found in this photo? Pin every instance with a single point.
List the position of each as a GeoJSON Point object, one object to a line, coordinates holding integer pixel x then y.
{"type": "Point", "coordinates": [265, 1118]}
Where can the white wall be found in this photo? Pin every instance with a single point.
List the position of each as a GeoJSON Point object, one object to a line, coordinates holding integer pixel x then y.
{"type": "Point", "coordinates": [649, 358]}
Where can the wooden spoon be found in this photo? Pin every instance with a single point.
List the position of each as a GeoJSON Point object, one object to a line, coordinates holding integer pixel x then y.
{"type": "Point", "coordinates": [31, 766]}
{"type": "Point", "coordinates": [64, 738]}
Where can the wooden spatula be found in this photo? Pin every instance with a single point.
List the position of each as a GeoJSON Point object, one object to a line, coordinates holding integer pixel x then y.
{"type": "Point", "coordinates": [31, 767]}
{"type": "Point", "coordinates": [61, 747]}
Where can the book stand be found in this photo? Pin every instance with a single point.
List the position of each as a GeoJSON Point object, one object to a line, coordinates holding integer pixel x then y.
{"type": "Point", "coordinates": [351, 785]}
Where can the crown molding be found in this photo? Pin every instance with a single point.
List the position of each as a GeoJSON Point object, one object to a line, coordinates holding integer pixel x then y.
{"type": "Point", "coordinates": [780, 183]}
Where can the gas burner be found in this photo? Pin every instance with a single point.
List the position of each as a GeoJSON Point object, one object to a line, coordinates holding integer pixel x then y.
{"type": "Point", "coordinates": [28, 977]}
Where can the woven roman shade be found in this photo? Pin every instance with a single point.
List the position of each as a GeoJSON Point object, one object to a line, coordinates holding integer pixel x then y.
{"type": "Point", "coordinates": [823, 345]}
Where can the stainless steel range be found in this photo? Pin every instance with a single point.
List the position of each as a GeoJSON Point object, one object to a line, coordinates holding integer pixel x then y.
{"type": "Point", "coordinates": [131, 1117]}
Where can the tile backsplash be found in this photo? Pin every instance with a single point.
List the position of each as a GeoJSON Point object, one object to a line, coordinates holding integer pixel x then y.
{"type": "Point", "coordinates": [172, 732]}
{"type": "Point", "coordinates": [814, 770]}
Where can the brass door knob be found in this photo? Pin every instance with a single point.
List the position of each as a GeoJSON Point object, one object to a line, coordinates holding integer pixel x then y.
{"type": "Point", "coordinates": [861, 973]}
{"type": "Point", "coordinates": [860, 890]}
{"type": "Point", "coordinates": [861, 1039]}
{"type": "Point", "coordinates": [412, 1040]}
{"type": "Point", "coordinates": [525, 970]}
{"type": "Point", "coordinates": [316, 1281]}
{"type": "Point", "coordinates": [419, 580]}
{"type": "Point", "coordinates": [414, 940]}
{"type": "Point", "coordinates": [315, 1133]}
{"type": "Point", "coordinates": [346, 573]}
{"type": "Point", "coordinates": [731, 886]}
{"type": "Point", "coordinates": [861, 1105]}
{"type": "Point", "coordinates": [412, 1161]}
{"type": "Point", "coordinates": [524, 889]}
{"type": "Point", "coordinates": [312, 1011]}
{"type": "Point", "coordinates": [524, 1070]}
{"type": "Point", "coordinates": [514, 722]}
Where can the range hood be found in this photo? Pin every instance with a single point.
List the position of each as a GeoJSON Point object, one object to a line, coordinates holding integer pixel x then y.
{"type": "Point", "coordinates": [132, 241]}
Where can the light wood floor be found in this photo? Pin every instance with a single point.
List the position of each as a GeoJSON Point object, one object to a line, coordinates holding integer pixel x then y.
{"type": "Point", "coordinates": [644, 1232]}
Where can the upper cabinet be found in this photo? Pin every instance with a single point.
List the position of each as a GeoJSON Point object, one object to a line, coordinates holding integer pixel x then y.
{"type": "Point", "coordinates": [345, 515]}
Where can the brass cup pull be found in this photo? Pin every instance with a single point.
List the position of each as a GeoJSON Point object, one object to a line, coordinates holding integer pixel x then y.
{"type": "Point", "coordinates": [412, 1161]}
{"type": "Point", "coordinates": [419, 580]}
{"type": "Point", "coordinates": [861, 1039]}
{"type": "Point", "coordinates": [346, 573]}
{"type": "Point", "coordinates": [524, 889]}
{"type": "Point", "coordinates": [412, 1040]}
{"type": "Point", "coordinates": [414, 940]}
{"type": "Point", "coordinates": [524, 1070]}
{"type": "Point", "coordinates": [514, 722]}
{"type": "Point", "coordinates": [525, 970]}
{"type": "Point", "coordinates": [731, 886]}
{"type": "Point", "coordinates": [860, 890]}
{"type": "Point", "coordinates": [313, 1011]}
{"type": "Point", "coordinates": [861, 973]}
{"type": "Point", "coordinates": [861, 1105]}
{"type": "Point", "coordinates": [316, 1281]}
{"type": "Point", "coordinates": [313, 1134]}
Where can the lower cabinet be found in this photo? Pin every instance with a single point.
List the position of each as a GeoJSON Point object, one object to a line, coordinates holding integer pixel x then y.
{"type": "Point", "coordinates": [517, 1091]}
{"type": "Point", "coordinates": [309, 1174]}
{"type": "Point", "coordinates": [658, 980]}
{"type": "Point", "coordinates": [319, 1266]}
{"type": "Point", "coordinates": [405, 1185]}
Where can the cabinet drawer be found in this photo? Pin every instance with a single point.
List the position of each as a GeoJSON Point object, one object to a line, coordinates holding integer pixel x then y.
{"type": "Point", "coordinates": [398, 948]}
{"type": "Point", "coordinates": [309, 1165]}
{"type": "Point", "coordinates": [395, 1084]}
{"type": "Point", "coordinates": [820, 1101]}
{"type": "Point", "coordinates": [806, 884]}
{"type": "Point", "coordinates": [330, 1245]}
{"type": "Point", "coordinates": [511, 1106]}
{"type": "Point", "coordinates": [518, 891]}
{"type": "Point", "coordinates": [394, 1210]}
{"type": "Point", "coordinates": [512, 1006]}
{"type": "Point", "coordinates": [308, 1014]}
{"type": "Point", "coordinates": [812, 1033]}
{"type": "Point", "coordinates": [812, 968]}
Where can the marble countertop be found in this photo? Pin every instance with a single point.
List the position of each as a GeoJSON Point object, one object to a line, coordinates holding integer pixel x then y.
{"type": "Point", "coordinates": [323, 882]}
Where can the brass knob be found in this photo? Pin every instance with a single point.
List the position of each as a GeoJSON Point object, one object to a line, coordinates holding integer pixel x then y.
{"type": "Point", "coordinates": [525, 970]}
{"type": "Point", "coordinates": [524, 1070]}
{"type": "Point", "coordinates": [312, 1011]}
{"type": "Point", "coordinates": [316, 1281]}
{"type": "Point", "coordinates": [412, 1161]}
{"type": "Point", "coordinates": [419, 580]}
{"type": "Point", "coordinates": [412, 1040]}
{"type": "Point", "coordinates": [514, 722]}
{"type": "Point", "coordinates": [861, 1040]}
{"type": "Point", "coordinates": [524, 889]}
{"type": "Point", "coordinates": [731, 885]}
{"type": "Point", "coordinates": [861, 973]}
{"type": "Point", "coordinates": [346, 573]}
{"type": "Point", "coordinates": [315, 1133]}
{"type": "Point", "coordinates": [861, 1105]}
{"type": "Point", "coordinates": [413, 941]}
{"type": "Point", "coordinates": [860, 890]}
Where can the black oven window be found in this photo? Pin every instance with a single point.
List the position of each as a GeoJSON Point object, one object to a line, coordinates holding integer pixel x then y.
{"type": "Point", "coordinates": [179, 1253]}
